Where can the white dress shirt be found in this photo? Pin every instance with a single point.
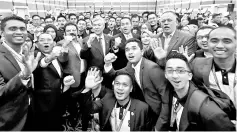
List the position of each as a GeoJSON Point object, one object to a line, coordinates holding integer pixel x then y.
{"type": "Point", "coordinates": [128, 36]}
{"type": "Point", "coordinates": [137, 69]}
{"type": "Point", "coordinates": [55, 64]}
{"type": "Point", "coordinates": [167, 40]}
{"type": "Point", "coordinates": [78, 49]}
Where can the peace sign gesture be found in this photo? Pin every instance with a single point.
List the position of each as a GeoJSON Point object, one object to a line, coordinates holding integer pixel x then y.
{"type": "Point", "coordinates": [156, 46]}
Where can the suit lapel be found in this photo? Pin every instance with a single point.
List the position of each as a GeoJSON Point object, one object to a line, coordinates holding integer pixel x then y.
{"type": "Point", "coordinates": [162, 38]}
{"type": "Point", "coordinates": [97, 45]}
{"type": "Point", "coordinates": [173, 41]}
{"type": "Point", "coordinates": [141, 72]}
{"type": "Point", "coordinates": [123, 38]}
{"type": "Point", "coordinates": [184, 123]}
{"type": "Point", "coordinates": [132, 110]}
{"type": "Point", "coordinates": [9, 56]}
{"type": "Point", "coordinates": [206, 71]}
{"type": "Point", "coordinates": [109, 109]}
{"type": "Point", "coordinates": [73, 49]}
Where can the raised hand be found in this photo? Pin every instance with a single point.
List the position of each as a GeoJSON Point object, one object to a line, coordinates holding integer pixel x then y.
{"type": "Point", "coordinates": [67, 40]}
{"type": "Point", "coordinates": [110, 58]}
{"type": "Point", "coordinates": [184, 51]}
{"type": "Point", "coordinates": [92, 79]}
{"type": "Point", "coordinates": [68, 81]}
{"type": "Point", "coordinates": [91, 39]}
{"type": "Point", "coordinates": [156, 46]}
{"type": "Point", "coordinates": [29, 60]}
{"type": "Point", "coordinates": [117, 41]}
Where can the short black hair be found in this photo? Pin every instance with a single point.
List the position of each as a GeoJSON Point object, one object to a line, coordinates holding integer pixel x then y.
{"type": "Point", "coordinates": [135, 16]}
{"type": "Point", "coordinates": [35, 16]}
{"type": "Point", "coordinates": [150, 13]}
{"type": "Point", "coordinates": [8, 18]}
{"type": "Point", "coordinates": [135, 40]}
{"type": "Point", "coordinates": [61, 16]}
{"type": "Point", "coordinates": [48, 17]}
{"type": "Point", "coordinates": [124, 72]}
{"type": "Point", "coordinates": [226, 27]}
{"type": "Point", "coordinates": [68, 24]}
{"type": "Point", "coordinates": [177, 55]}
{"type": "Point", "coordinates": [145, 12]}
{"type": "Point", "coordinates": [72, 14]}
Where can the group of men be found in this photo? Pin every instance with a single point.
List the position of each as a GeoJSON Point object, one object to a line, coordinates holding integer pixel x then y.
{"type": "Point", "coordinates": [104, 73]}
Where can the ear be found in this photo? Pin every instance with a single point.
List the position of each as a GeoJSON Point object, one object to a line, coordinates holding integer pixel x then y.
{"type": "Point", "coordinates": [131, 89]}
{"type": "Point", "coordinates": [190, 76]}
{"type": "Point", "coordinates": [113, 83]}
{"type": "Point", "coordinates": [54, 43]}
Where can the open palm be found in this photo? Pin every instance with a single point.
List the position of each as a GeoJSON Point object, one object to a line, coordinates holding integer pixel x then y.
{"type": "Point", "coordinates": [92, 79]}
{"type": "Point", "coordinates": [156, 46]}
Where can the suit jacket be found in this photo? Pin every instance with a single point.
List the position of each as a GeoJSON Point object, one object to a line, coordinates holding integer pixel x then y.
{"type": "Point", "coordinates": [153, 84]}
{"type": "Point", "coordinates": [121, 60]}
{"type": "Point", "coordinates": [179, 38]}
{"type": "Point", "coordinates": [94, 55]}
{"type": "Point", "coordinates": [139, 117]}
{"type": "Point", "coordinates": [199, 53]}
{"type": "Point", "coordinates": [211, 117]}
{"type": "Point", "coordinates": [73, 67]}
{"type": "Point", "coordinates": [14, 98]}
{"type": "Point", "coordinates": [115, 31]}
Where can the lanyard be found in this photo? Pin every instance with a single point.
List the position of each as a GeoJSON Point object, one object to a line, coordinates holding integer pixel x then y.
{"type": "Point", "coordinates": [117, 128]}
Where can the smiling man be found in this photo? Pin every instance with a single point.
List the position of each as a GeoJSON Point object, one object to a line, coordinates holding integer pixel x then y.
{"type": "Point", "coordinates": [219, 72]}
{"type": "Point", "coordinates": [150, 80]}
{"type": "Point", "coordinates": [184, 95]}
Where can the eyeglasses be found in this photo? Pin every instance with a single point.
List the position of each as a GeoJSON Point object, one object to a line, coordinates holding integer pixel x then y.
{"type": "Point", "coordinates": [178, 71]}
{"type": "Point", "coordinates": [201, 37]}
{"type": "Point", "coordinates": [117, 84]}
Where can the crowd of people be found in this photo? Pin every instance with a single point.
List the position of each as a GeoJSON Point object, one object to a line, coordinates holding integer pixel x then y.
{"type": "Point", "coordinates": [118, 72]}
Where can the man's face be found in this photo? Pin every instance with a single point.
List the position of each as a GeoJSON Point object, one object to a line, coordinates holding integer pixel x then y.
{"type": "Point", "coordinates": [217, 19]}
{"type": "Point", "coordinates": [71, 29]}
{"type": "Point", "coordinates": [168, 23]}
{"type": "Point", "coordinates": [73, 19]}
{"type": "Point", "coordinates": [200, 23]}
{"type": "Point", "coordinates": [26, 17]}
{"type": "Point", "coordinates": [152, 19]}
{"type": "Point", "coordinates": [122, 87]}
{"type": "Point", "coordinates": [111, 22]}
{"type": "Point", "coordinates": [98, 27]}
{"type": "Point", "coordinates": [118, 21]}
{"type": "Point", "coordinates": [133, 52]}
{"type": "Point", "coordinates": [81, 17]}
{"type": "Point", "coordinates": [36, 21]}
{"type": "Point", "coordinates": [45, 43]}
{"type": "Point", "coordinates": [222, 43]}
{"type": "Point", "coordinates": [81, 25]}
{"type": "Point", "coordinates": [144, 17]}
{"type": "Point", "coordinates": [135, 21]}
{"type": "Point", "coordinates": [179, 78]}
{"type": "Point", "coordinates": [88, 15]}
{"type": "Point", "coordinates": [15, 32]}
{"type": "Point", "coordinates": [52, 32]}
{"type": "Point", "coordinates": [48, 21]}
{"type": "Point", "coordinates": [201, 37]}
{"type": "Point", "coordinates": [224, 20]}
{"type": "Point", "coordinates": [88, 23]}
{"type": "Point", "coordinates": [61, 21]}
{"type": "Point", "coordinates": [126, 26]}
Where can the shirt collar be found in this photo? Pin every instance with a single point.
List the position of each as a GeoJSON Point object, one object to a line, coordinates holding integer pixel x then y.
{"type": "Point", "coordinates": [170, 35]}
{"type": "Point", "coordinates": [217, 68]}
{"type": "Point", "coordinates": [138, 65]}
{"type": "Point", "coordinates": [126, 35]}
{"type": "Point", "coordinates": [12, 50]}
{"type": "Point", "coordinates": [102, 36]}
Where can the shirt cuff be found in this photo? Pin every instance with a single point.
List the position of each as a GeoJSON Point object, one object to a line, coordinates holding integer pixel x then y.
{"type": "Point", "coordinates": [43, 63]}
{"type": "Point", "coordinates": [108, 68]}
{"type": "Point", "coordinates": [25, 82]}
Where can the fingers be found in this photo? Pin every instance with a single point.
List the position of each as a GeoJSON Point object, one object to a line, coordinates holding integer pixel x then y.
{"type": "Point", "coordinates": [191, 57]}
{"type": "Point", "coordinates": [38, 56]}
{"type": "Point", "coordinates": [186, 50]}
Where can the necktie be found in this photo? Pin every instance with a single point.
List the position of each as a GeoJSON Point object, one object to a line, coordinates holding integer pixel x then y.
{"type": "Point", "coordinates": [100, 42]}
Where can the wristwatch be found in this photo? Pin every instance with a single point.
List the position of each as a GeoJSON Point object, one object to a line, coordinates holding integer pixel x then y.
{"type": "Point", "coordinates": [23, 77]}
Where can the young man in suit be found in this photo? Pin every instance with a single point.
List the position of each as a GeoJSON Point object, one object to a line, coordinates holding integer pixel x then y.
{"type": "Point", "coordinates": [111, 30]}
{"type": "Point", "coordinates": [97, 45]}
{"type": "Point", "coordinates": [48, 85]}
{"type": "Point", "coordinates": [184, 95]}
{"type": "Point", "coordinates": [118, 111]}
{"type": "Point", "coordinates": [170, 39]}
{"type": "Point", "coordinates": [219, 72]}
{"type": "Point", "coordinates": [149, 78]}
{"type": "Point", "coordinates": [17, 62]}
{"type": "Point", "coordinates": [118, 43]}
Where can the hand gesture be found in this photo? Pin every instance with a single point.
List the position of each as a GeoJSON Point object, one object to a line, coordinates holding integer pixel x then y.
{"type": "Point", "coordinates": [29, 60]}
{"type": "Point", "coordinates": [156, 46]}
{"type": "Point", "coordinates": [110, 58]}
{"type": "Point", "coordinates": [91, 39]}
{"type": "Point", "coordinates": [117, 41]}
{"type": "Point", "coordinates": [93, 79]}
{"type": "Point", "coordinates": [185, 52]}
{"type": "Point", "coordinates": [67, 40]}
{"type": "Point", "coordinates": [56, 52]}
{"type": "Point", "coordinates": [68, 81]}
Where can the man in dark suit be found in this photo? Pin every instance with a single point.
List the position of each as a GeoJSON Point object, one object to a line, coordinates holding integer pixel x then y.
{"type": "Point", "coordinates": [97, 45]}
{"type": "Point", "coordinates": [170, 39]}
{"type": "Point", "coordinates": [15, 75]}
{"type": "Point", "coordinates": [111, 30]}
{"type": "Point", "coordinates": [118, 43]}
{"type": "Point", "coordinates": [118, 111]}
{"type": "Point", "coordinates": [185, 111]}
{"type": "Point", "coordinates": [149, 78]}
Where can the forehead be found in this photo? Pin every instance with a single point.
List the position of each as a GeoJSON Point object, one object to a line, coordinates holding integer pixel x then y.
{"type": "Point", "coordinates": [81, 21]}
{"type": "Point", "coordinates": [50, 29]}
{"type": "Point", "coordinates": [98, 21]}
{"type": "Point", "coordinates": [131, 44]}
{"type": "Point", "coordinates": [151, 16]}
{"type": "Point", "coordinates": [176, 63]}
{"type": "Point", "coordinates": [168, 15]}
{"type": "Point", "coordinates": [61, 18]}
{"type": "Point", "coordinates": [222, 33]}
{"type": "Point", "coordinates": [123, 79]}
{"type": "Point", "coordinates": [36, 17]}
{"type": "Point", "coordinates": [145, 34]}
{"type": "Point", "coordinates": [15, 23]}
{"type": "Point", "coordinates": [49, 19]}
{"type": "Point", "coordinates": [125, 20]}
{"type": "Point", "coordinates": [70, 27]}
{"type": "Point", "coordinates": [204, 31]}
{"type": "Point", "coordinates": [135, 18]}
{"type": "Point", "coordinates": [45, 36]}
